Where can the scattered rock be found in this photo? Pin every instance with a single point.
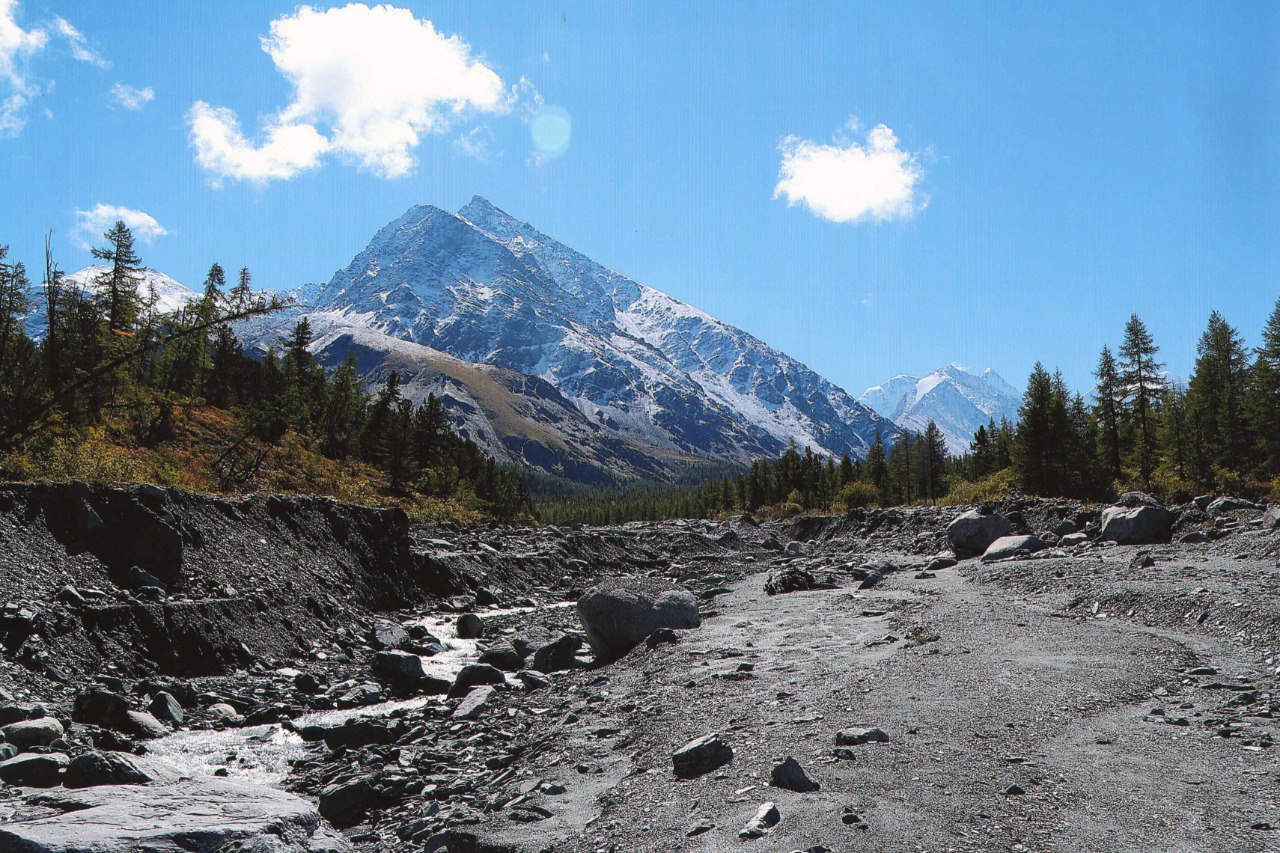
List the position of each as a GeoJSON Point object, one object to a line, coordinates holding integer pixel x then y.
{"type": "Point", "coordinates": [474, 705]}
{"type": "Point", "coordinates": [473, 675]}
{"type": "Point", "coordinates": [165, 708]}
{"type": "Point", "coordinates": [700, 756]}
{"type": "Point", "coordinates": [766, 818]}
{"type": "Point", "coordinates": [401, 670]}
{"type": "Point", "coordinates": [113, 768]}
{"type": "Point", "coordinates": [857, 737]}
{"type": "Point", "coordinates": [346, 804]}
{"type": "Point", "coordinates": [390, 636]}
{"type": "Point", "coordinates": [790, 775]}
{"type": "Point", "coordinates": [558, 654]}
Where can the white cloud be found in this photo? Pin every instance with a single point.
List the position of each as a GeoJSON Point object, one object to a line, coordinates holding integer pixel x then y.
{"type": "Point", "coordinates": [851, 183]}
{"type": "Point", "coordinates": [131, 97]}
{"type": "Point", "coordinates": [222, 149]}
{"type": "Point", "coordinates": [80, 50]}
{"type": "Point", "coordinates": [92, 224]}
{"type": "Point", "coordinates": [17, 46]}
{"type": "Point", "coordinates": [376, 79]}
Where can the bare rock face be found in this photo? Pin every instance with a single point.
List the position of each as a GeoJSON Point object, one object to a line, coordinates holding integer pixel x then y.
{"type": "Point", "coordinates": [220, 813]}
{"type": "Point", "coordinates": [972, 533]}
{"type": "Point", "coordinates": [618, 614]}
{"type": "Point", "coordinates": [1136, 525]}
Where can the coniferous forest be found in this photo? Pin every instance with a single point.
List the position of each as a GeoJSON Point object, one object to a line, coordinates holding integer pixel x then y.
{"type": "Point", "coordinates": [116, 390]}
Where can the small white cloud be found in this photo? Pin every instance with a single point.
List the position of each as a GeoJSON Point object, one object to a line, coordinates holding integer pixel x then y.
{"type": "Point", "coordinates": [376, 79]}
{"type": "Point", "coordinates": [222, 148]}
{"type": "Point", "coordinates": [851, 182]}
{"type": "Point", "coordinates": [92, 224]}
{"type": "Point", "coordinates": [131, 97]}
{"type": "Point", "coordinates": [80, 50]}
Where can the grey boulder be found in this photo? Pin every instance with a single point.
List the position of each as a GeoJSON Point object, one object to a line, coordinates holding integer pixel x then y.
{"type": "Point", "coordinates": [1139, 525]}
{"type": "Point", "coordinates": [700, 756]}
{"type": "Point", "coordinates": [32, 770]}
{"type": "Point", "coordinates": [1012, 546]}
{"type": "Point", "coordinates": [217, 814]}
{"type": "Point", "coordinates": [973, 532]}
{"type": "Point", "coordinates": [29, 733]}
{"type": "Point", "coordinates": [618, 614]}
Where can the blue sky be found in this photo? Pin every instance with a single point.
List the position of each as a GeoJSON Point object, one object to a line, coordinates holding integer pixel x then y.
{"type": "Point", "coordinates": [1016, 179]}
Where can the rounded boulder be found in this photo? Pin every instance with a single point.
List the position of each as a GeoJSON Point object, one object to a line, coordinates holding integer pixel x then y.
{"type": "Point", "coordinates": [620, 613]}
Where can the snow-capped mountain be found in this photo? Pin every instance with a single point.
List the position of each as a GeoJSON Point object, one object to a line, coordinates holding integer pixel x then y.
{"type": "Point", "coordinates": [650, 370]}
{"type": "Point", "coordinates": [157, 290]}
{"type": "Point", "coordinates": [956, 400]}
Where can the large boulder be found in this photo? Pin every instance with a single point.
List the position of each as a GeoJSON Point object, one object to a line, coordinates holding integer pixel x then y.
{"type": "Point", "coordinates": [1271, 519]}
{"type": "Point", "coordinates": [207, 814]}
{"type": "Point", "coordinates": [973, 532]}
{"type": "Point", "coordinates": [114, 768]}
{"type": "Point", "coordinates": [619, 613]}
{"type": "Point", "coordinates": [402, 670]}
{"type": "Point", "coordinates": [1137, 525]}
{"type": "Point", "coordinates": [33, 770]}
{"type": "Point", "coordinates": [700, 756]}
{"type": "Point", "coordinates": [1226, 504]}
{"type": "Point", "coordinates": [1012, 546]}
{"type": "Point", "coordinates": [29, 733]}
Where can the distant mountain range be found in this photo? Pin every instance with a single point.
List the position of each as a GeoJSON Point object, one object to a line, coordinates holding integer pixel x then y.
{"type": "Point", "coordinates": [162, 293]}
{"type": "Point", "coordinates": [547, 358]}
{"type": "Point", "coordinates": [956, 400]}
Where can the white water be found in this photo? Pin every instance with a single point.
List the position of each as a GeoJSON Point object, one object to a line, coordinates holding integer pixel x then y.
{"type": "Point", "coordinates": [264, 754]}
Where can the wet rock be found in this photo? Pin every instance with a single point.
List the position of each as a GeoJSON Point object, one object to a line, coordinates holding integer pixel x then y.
{"type": "Point", "coordinates": [389, 635]}
{"type": "Point", "coordinates": [700, 756]}
{"type": "Point", "coordinates": [504, 656]}
{"type": "Point", "coordinates": [1139, 525]}
{"type": "Point", "coordinates": [618, 614]}
{"type": "Point", "coordinates": [402, 670]}
{"type": "Point", "coordinates": [766, 818]}
{"type": "Point", "coordinates": [29, 733]}
{"type": "Point", "coordinates": [361, 731]}
{"type": "Point", "coordinates": [114, 768]}
{"type": "Point", "coordinates": [166, 709]}
{"type": "Point", "coordinates": [142, 724]}
{"type": "Point", "coordinates": [220, 813]}
{"type": "Point", "coordinates": [1013, 546]}
{"type": "Point", "coordinates": [31, 770]}
{"type": "Point", "coordinates": [557, 655]}
{"type": "Point", "coordinates": [857, 737]}
{"type": "Point", "coordinates": [790, 775]}
{"type": "Point", "coordinates": [973, 532]}
{"type": "Point", "coordinates": [473, 675]}
{"type": "Point", "coordinates": [470, 627]}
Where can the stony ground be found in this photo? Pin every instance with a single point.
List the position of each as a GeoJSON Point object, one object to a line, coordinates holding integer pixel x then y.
{"type": "Point", "coordinates": [1090, 696]}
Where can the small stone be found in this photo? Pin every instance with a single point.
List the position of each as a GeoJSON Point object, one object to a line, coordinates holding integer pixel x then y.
{"type": "Point", "coordinates": [790, 775]}
{"type": "Point", "coordinates": [700, 756]}
{"type": "Point", "coordinates": [857, 737]}
{"type": "Point", "coordinates": [1013, 791]}
{"type": "Point", "coordinates": [766, 818]}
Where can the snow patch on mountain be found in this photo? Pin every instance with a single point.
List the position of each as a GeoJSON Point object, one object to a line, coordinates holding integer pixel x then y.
{"type": "Point", "coordinates": [957, 400]}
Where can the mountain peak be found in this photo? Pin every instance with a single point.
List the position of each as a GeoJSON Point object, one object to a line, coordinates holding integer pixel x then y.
{"type": "Point", "coordinates": [480, 211]}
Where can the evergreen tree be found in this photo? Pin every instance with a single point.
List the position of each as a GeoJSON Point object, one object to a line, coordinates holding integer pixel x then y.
{"type": "Point", "coordinates": [933, 461]}
{"type": "Point", "coordinates": [1264, 398]}
{"type": "Point", "coordinates": [118, 284]}
{"type": "Point", "coordinates": [1109, 403]}
{"type": "Point", "coordinates": [1141, 383]}
{"type": "Point", "coordinates": [1215, 401]}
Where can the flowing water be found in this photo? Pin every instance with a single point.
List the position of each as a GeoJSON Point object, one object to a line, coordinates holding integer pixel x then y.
{"type": "Point", "coordinates": [264, 754]}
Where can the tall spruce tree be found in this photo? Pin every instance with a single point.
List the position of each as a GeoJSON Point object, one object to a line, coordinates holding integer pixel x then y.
{"type": "Point", "coordinates": [118, 285]}
{"type": "Point", "coordinates": [1264, 398]}
{"type": "Point", "coordinates": [1108, 408]}
{"type": "Point", "coordinates": [1141, 384]}
{"type": "Point", "coordinates": [1215, 401]}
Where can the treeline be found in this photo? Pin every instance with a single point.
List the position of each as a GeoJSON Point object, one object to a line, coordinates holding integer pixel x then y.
{"type": "Point", "coordinates": [1135, 430]}
{"type": "Point", "coordinates": [109, 356]}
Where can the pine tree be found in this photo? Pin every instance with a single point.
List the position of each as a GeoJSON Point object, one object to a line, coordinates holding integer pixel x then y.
{"type": "Point", "coordinates": [1264, 398]}
{"type": "Point", "coordinates": [1109, 402]}
{"type": "Point", "coordinates": [1141, 383]}
{"type": "Point", "coordinates": [1215, 401]}
{"type": "Point", "coordinates": [118, 284]}
{"type": "Point", "coordinates": [1034, 453]}
{"type": "Point", "coordinates": [877, 470]}
{"type": "Point", "coordinates": [242, 294]}
{"type": "Point", "coordinates": [933, 461]}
